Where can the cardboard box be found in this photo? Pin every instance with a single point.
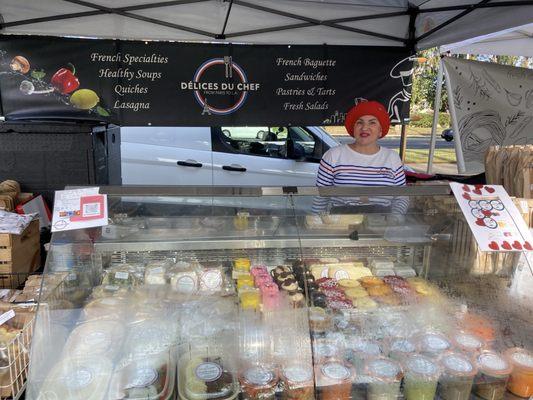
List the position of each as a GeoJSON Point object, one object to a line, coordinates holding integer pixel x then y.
{"type": "Point", "coordinates": [19, 256]}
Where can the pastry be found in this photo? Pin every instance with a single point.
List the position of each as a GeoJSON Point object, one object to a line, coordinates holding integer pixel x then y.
{"type": "Point", "coordinates": [348, 283]}
{"type": "Point", "coordinates": [379, 290]}
{"type": "Point", "coordinates": [368, 281]}
{"type": "Point", "coordinates": [364, 303]}
{"type": "Point", "coordinates": [289, 285]}
{"type": "Point", "coordinates": [297, 299]}
{"type": "Point", "coordinates": [356, 293]}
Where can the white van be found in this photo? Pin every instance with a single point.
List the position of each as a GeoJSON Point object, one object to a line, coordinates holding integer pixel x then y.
{"type": "Point", "coordinates": [223, 156]}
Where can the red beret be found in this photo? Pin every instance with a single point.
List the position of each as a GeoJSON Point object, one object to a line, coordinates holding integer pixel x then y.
{"type": "Point", "coordinates": [374, 108]}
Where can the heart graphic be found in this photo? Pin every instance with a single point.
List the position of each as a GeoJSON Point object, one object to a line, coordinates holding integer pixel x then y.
{"type": "Point", "coordinates": [490, 189]}
{"type": "Point", "coordinates": [467, 196]}
{"type": "Point", "coordinates": [486, 213]}
{"type": "Point", "coordinates": [478, 186]}
{"type": "Point", "coordinates": [517, 245]}
{"type": "Point", "coordinates": [480, 222]}
{"type": "Point", "coordinates": [506, 245]}
{"type": "Point", "coordinates": [466, 188]}
{"type": "Point", "coordinates": [494, 246]}
{"type": "Point", "coordinates": [528, 246]}
{"type": "Point", "coordinates": [477, 191]}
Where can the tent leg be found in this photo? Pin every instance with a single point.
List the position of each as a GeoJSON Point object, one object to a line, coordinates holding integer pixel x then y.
{"type": "Point", "coordinates": [436, 108]}
{"type": "Point", "coordinates": [461, 167]}
{"type": "Point", "coordinates": [403, 143]}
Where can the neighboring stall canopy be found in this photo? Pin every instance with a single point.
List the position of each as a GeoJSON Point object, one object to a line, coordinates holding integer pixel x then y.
{"type": "Point", "coordinates": [516, 41]}
{"type": "Point", "coordinates": [418, 24]}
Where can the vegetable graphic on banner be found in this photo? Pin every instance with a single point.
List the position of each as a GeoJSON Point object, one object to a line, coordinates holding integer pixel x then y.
{"type": "Point", "coordinates": [493, 218]}
{"type": "Point", "coordinates": [64, 85]}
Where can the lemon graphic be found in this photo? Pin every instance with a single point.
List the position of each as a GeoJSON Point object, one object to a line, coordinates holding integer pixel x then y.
{"type": "Point", "coordinates": [84, 99]}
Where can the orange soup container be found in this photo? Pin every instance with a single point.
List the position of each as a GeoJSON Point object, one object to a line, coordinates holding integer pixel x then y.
{"type": "Point", "coordinates": [334, 380]}
{"type": "Point", "coordinates": [521, 380]}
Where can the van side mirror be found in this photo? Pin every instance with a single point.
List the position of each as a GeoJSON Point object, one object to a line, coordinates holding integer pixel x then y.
{"type": "Point", "coordinates": [295, 151]}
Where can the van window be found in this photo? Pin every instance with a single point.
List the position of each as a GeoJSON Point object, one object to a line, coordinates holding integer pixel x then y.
{"type": "Point", "coordinates": [267, 141]}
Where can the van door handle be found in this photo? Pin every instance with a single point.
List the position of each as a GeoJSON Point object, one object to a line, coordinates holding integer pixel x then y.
{"type": "Point", "coordinates": [191, 163]}
{"type": "Point", "coordinates": [237, 168]}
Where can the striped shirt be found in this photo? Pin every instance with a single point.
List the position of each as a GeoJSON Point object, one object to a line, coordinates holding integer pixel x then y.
{"type": "Point", "coordinates": [342, 166]}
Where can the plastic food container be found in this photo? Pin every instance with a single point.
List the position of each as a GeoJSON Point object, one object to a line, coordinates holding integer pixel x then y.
{"type": "Point", "coordinates": [492, 377]}
{"type": "Point", "coordinates": [203, 378]}
{"type": "Point", "coordinates": [433, 344]}
{"type": "Point", "coordinates": [521, 380]}
{"type": "Point", "coordinates": [98, 338]}
{"type": "Point", "coordinates": [319, 320]}
{"type": "Point", "coordinates": [386, 377]}
{"type": "Point", "coordinates": [359, 349]}
{"type": "Point", "coordinates": [73, 378]}
{"type": "Point", "coordinates": [334, 380]}
{"type": "Point", "coordinates": [297, 382]}
{"type": "Point", "coordinates": [324, 350]}
{"type": "Point", "coordinates": [468, 343]}
{"type": "Point", "coordinates": [150, 336]}
{"type": "Point", "coordinates": [421, 375]}
{"type": "Point", "coordinates": [258, 383]}
{"type": "Point", "coordinates": [400, 348]}
{"type": "Point", "coordinates": [149, 378]}
{"type": "Point", "coordinates": [457, 376]}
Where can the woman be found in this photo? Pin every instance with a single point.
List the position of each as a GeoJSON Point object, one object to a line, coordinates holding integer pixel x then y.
{"type": "Point", "coordinates": [363, 163]}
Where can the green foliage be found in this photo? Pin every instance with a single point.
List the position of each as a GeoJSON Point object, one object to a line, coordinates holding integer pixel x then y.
{"type": "Point", "coordinates": [425, 120]}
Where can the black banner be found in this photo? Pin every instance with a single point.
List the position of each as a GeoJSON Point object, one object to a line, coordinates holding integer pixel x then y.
{"type": "Point", "coordinates": [135, 83]}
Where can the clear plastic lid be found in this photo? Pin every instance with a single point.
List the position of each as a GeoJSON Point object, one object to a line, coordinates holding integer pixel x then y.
{"type": "Point", "coordinates": [325, 349]}
{"type": "Point", "coordinates": [150, 336]}
{"type": "Point", "coordinates": [259, 377]}
{"type": "Point", "coordinates": [364, 346]}
{"type": "Point", "coordinates": [434, 343]}
{"type": "Point", "coordinates": [96, 338]}
{"type": "Point", "coordinates": [145, 378]}
{"type": "Point", "coordinates": [403, 346]}
{"type": "Point", "coordinates": [492, 363]}
{"type": "Point", "coordinates": [203, 378]}
{"type": "Point", "coordinates": [383, 369]}
{"type": "Point", "coordinates": [457, 364]}
{"type": "Point", "coordinates": [421, 366]}
{"type": "Point", "coordinates": [520, 358]}
{"type": "Point", "coordinates": [73, 378]}
{"type": "Point", "coordinates": [468, 342]}
{"type": "Point", "coordinates": [297, 375]}
{"type": "Point", "coordinates": [336, 371]}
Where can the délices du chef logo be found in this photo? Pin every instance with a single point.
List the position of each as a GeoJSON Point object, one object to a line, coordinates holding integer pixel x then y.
{"type": "Point", "coordinates": [220, 86]}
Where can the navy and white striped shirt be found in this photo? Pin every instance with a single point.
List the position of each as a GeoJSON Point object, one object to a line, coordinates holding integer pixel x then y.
{"type": "Point", "coordinates": [342, 165]}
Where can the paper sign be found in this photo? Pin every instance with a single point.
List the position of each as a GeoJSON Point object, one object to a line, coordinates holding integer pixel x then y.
{"type": "Point", "coordinates": [6, 316]}
{"type": "Point", "coordinates": [493, 218]}
{"type": "Point", "coordinates": [78, 209]}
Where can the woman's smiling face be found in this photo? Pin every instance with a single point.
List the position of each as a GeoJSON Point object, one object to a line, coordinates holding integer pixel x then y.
{"type": "Point", "coordinates": [367, 130]}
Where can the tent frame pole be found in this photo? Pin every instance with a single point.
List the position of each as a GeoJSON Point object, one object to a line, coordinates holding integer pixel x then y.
{"type": "Point", "coordinates": [436, 110]}
{"type": "Point", "coordinates": [455, 124]}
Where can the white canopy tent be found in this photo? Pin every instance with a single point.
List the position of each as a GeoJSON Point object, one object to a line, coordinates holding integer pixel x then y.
{"type": "Point", "coordinates": [418, 23]}
{"type": "Point", "coordinates": [516, 41]}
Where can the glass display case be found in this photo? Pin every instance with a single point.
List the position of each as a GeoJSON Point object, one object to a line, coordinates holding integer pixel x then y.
{"type": "Point", "coordinates": [310, 293]}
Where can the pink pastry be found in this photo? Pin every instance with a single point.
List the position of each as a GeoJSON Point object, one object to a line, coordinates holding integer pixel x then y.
{"type": "Point", "coordinates": [271, 301]}
{"type": "Point", "coordinates": [268, 288]}
{"type": "Point", "coordinates": [262, 279]}
{"type": "Point", "coordinates": [258, 270]}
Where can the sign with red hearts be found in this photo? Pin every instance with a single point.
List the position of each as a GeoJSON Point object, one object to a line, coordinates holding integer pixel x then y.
{"type": "Point", "coordinates": [493, 218]}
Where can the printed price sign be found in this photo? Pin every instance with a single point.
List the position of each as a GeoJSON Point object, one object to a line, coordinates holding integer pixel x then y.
{"type": "Point", "coordinates": [493, 218]}
{"type": "Point", "coordinates": [78, 209]}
